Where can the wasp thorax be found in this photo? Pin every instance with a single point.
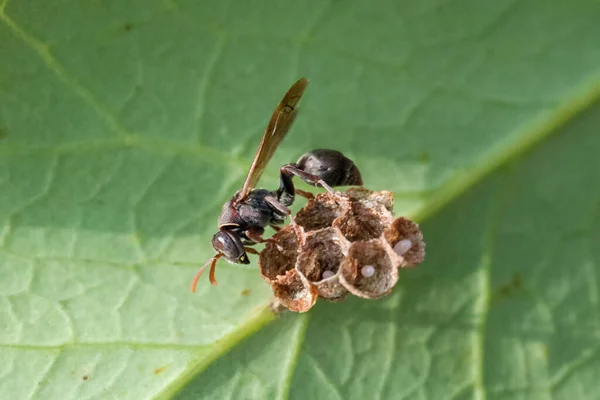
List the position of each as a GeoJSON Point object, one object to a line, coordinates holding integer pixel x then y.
{"type": "Point", "coordinates": [339, 244]}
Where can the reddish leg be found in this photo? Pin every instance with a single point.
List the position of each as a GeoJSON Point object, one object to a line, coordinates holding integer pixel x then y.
{"type": "Point", "coordinates": [256, 237]}
{"type": "Point", "coordinates": [307, 195]}
{"type": "Point", "coordinates": [251, 250]}
{"type": "Point", "coordinates": [275, 227]}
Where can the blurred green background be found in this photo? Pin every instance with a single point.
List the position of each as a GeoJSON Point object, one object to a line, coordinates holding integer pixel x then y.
{"type": "Point", "coordinates": [124, 126]}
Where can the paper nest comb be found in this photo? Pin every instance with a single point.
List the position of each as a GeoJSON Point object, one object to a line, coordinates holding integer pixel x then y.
{"type": "Point", "coordinates": [340, 244]}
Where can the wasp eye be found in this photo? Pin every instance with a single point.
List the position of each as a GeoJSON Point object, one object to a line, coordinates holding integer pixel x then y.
{"type": "Point", "coordinates": [243, 258]}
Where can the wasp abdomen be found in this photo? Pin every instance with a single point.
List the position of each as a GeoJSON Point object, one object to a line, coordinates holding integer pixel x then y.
{"type": "Point", "coordinates": [331, 166]}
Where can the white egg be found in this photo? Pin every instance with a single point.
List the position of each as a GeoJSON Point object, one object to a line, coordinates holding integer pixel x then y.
{"type": "Point", "coordinates": [402, 246]}
{"type": "Point", "coordinates": [328, 274]}
{"type": "Point", "coordinates": [367, 271]}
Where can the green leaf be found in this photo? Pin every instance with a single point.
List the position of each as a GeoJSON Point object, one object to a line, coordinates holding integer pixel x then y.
{"type": "Point", "coordinates": [124, 127]}
{"type": "Point", "coordinates": [506, 305]}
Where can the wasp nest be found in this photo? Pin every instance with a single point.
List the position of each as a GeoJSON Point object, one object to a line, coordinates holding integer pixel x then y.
{"type": "Point", "coordinates": [340, 244]}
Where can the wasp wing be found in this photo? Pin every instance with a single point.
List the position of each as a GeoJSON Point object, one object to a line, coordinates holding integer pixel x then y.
{"type": "Point", "coordinates": [278, 127]}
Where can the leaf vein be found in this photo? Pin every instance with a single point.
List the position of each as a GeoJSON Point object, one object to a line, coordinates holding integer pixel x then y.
{"type": "Point", "coordinates": [203, 88]}
{"type": "Point", "coordinates": [321, 374]}
{"type": "Point", "coordinates": [43, 51]}
{"type": "Point", "coordinates": [290, 368]}
{"type": "Point", "coordinates": [43, 379]}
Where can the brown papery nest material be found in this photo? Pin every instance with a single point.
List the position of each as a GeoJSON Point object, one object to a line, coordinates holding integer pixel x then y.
{"type": "Point", "coordinates": [339, 244]}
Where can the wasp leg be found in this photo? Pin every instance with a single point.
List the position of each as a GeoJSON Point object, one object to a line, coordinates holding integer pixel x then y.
{"type": "Point", "coordinates": [289, 170]}
{"type": "Point", "coordinates": [277, 205]}
{"type": "Point", "coordinates": [286, 194]}
{"type": "Point", "coordinates": [275, 227]}
{"type": "Point", "coordinates": [307, 195]}
{"type": "Point", "coordinates": [256, 236]}
{"type": "Point", "coordinates": [251, 250]}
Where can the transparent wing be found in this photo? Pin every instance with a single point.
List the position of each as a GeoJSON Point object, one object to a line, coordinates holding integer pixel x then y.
{"type": "Point", "coordinates": [278, 127]}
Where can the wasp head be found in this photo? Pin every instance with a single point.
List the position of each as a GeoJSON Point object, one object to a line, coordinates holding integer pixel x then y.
{"type": "Point", "coordinates": [229, 243]}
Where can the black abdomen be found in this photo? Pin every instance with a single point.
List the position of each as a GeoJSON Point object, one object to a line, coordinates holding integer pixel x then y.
{"type": "Point", "coordinates": [331, 166]}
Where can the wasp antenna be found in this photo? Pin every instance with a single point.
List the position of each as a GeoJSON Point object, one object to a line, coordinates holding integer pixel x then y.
{"type": "Point", "coordinates": [199, 273]}
{"type": "Point", "coordinates": [211, 275]}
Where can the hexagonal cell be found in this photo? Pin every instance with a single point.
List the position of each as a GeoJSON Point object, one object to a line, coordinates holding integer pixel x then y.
{"type": "Point", "coordinates": [277, 259]}
{"type": "Point", "coordinates": [383, 197]}
{"type": "Point", "coordinates": [294, 291]}
{"type": "Point", "coordinates": [320, 212]}
{"type": "Point", "coordinates": [371, 269]}
{"type": "Point", "coordinates": [363, 221]}
{"type": "Point", "coordinates": [320, 258]}
{"type": "Point", "coordinates": [406, 239]}
{"type": "Point", "coordinates": [340, 243]}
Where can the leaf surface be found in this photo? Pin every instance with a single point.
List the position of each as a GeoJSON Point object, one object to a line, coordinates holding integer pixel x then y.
{"type": "Point", "coordinates": [506, 305]}
{"type": "Point", "coordinates": [124, 128]}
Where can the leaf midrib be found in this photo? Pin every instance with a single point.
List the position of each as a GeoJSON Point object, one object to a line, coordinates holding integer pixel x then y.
{"type": "Point", "coordinates": [513, 145]}
{"type": "Point", "coordinates": [503, 152]}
